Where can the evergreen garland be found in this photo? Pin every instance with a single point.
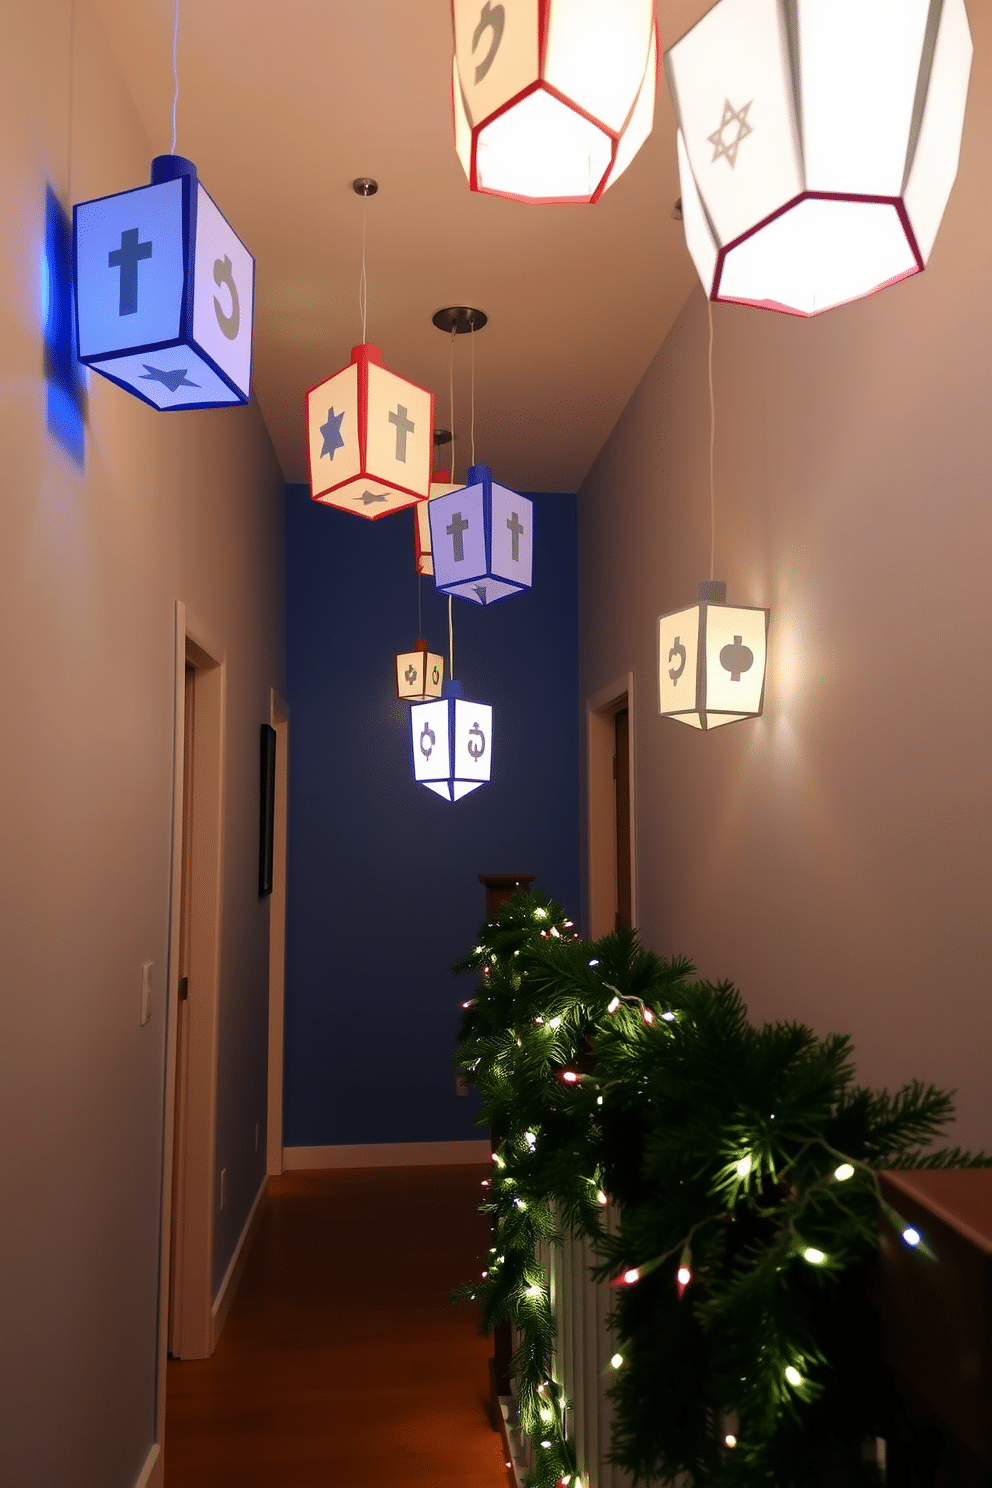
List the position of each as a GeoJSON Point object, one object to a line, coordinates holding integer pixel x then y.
{"type": "Point", "coordinates": [741, 1164]}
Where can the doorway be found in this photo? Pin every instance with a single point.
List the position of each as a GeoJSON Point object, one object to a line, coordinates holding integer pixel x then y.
{"type": "Point", "coordinates": [610, 808]}
{"type": "Point", "coordinates": [279, 720]}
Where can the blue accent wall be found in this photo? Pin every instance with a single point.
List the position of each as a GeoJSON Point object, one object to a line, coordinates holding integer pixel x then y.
{"type": "Point", "coordinates": [384, 891]}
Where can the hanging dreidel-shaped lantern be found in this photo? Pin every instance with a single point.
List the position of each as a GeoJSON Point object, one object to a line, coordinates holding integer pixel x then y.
{"type": "Point", "coordinates": [164, 292]}
{"type": "Point", "coordinates": [441, 485]}
{"type": "Point", "coordinates": [452, 743]}
{"type": "Point", "coordinates": [552, 99]}
{"type": "Point", "coordinates": [711, 660]}
{"type": "Point", "coordinates": [817, 144]}
{"type": "Point", "coordinates": [369, 431]}
{"type": "Point", "coordinates": [419, 673]}
{"type": "Point", "coordinates": [482, 539]}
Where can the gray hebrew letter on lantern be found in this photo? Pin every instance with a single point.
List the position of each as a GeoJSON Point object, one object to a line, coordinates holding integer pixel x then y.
{"type": "Point", "coordinates": [491, 18]}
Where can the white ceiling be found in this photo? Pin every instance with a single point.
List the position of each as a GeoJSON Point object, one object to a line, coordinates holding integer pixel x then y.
{"type": "Point", "coordinates": [282, 105]}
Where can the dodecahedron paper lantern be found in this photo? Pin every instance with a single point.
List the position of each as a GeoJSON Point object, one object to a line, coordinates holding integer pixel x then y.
{"type": "Point", "coordinates": [552, 98]}
{"type": "Point", "coordinates": [452, 743]}
{"type": "Point", "coordinates": [441, 484]}
{"type": "Point", "coordinates": [482, 539]}
{"type": "Point", "coordinates": [711, 660]}
{"type": "Point", "coordinates": [371, 438]}
{"type": "Point", "coordinates": [818, 141]}
{"type": "Point", "coordinates": [419, 674]}
{"type": "Point", "coordinates": [165, 292]}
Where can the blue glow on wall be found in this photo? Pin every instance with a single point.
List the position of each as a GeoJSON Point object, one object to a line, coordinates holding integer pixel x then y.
{"type": "Point", "coordinates": [384, 892]}
{"type": "Point", "coordinates": [65, 386]}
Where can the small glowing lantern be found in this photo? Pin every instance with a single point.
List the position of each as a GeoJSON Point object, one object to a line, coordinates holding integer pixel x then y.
{"type": "Point", "coordinates": [419, 674]}
{"type": "Point", "coordinates": [371, 438]}
{"type": "Point", "coordinates": [452, 743]}
{"type": "Point", "coordinates": [818, 142]}
{"type": "Point", "coordinates": [711, 660]}
{"type": "Point", "coordinates": [482, 539]}
{"type": "Point", "coordinates": [165, 292]}
{"type": "Point", "coordinates": [441, 485]}
{"type": "Point", "coordinates": [552, 98]}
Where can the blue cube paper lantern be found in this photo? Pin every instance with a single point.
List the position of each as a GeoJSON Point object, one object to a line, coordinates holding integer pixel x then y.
{"type": "Point", "coordinates": [452, 743]}
{"type": "Point", "coordinates": [165, 292]}
{"type": "Point", "coordinates": [482, 539]}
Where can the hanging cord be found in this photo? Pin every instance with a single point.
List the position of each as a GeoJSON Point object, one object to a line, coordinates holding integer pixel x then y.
{"type": "Point", "coordinates": [420, 605]}
{"type": "Point", "coordinates": [451, 400]}
{"type": "Point", "coordinates": [71, 105]}
{"type": "Point", "coordinates": [175, 76]}
{"type": "Point", "coordinates": [471, 342]}
{"type": "Point", "coordinates": [363, 282]}
{"type": "Point", "coordinates": [451, 643]}
{"type": "Point", "coordinates": [709, 308]}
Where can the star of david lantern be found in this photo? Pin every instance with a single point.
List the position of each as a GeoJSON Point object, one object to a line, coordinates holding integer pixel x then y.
{"type": "Point", "coordinates": [370, 437]}
{"type": "Point", "coordinates": [419, 673]}
{"type": "Point", "coordinates": [482, 539]}
{"type": "Point", "coordinates": [552, 98]}
{"type": "Point", "coordinates": [164, 292]}
{"type": "Point", "coordinates": [452, 743]}
{"type": "Point", "coordinates": [711, 660]}
{"type": "Point", "coordinates": [817, 143]}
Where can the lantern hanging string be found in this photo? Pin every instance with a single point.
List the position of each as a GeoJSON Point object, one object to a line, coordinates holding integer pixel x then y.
{"type": "Point", "coordinates": [72, 79]}
{"type": "Point", "coordinates": [471, 341]}
{"type": "Point", "coordinates": [420, 605]}
{"type": "Point", "coordinates": [451, 398]}
{"type": "Point", "coordinates": [363, 283]}
{"type": "Point", "coordinates": [451, 643]}
{"type": "Point", "coordinates": [709, 310]}
{"type": "Point", "coordinates": [175, 76]}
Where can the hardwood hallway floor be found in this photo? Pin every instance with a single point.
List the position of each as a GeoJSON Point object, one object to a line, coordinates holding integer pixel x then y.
{"type": "Point", "coordinates": [343, 1362]}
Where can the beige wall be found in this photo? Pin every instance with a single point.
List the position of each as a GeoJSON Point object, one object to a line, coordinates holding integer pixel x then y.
{"type": "Point", "coordinates": [185, 507]}
{"type": "Point", "coordinates": [833, 858]}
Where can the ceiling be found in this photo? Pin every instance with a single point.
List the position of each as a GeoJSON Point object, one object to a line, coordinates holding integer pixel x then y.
{"type": "Point", "coordinates": [282, 105]}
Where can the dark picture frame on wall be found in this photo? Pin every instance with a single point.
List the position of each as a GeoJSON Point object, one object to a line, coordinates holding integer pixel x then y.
{"type": "Point", "coordinates": [267, 807]}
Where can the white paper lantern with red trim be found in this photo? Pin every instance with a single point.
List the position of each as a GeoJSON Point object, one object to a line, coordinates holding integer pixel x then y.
{"type": "Point", "coordinates": [818, 142]}
{"type": "Point", "coordinates": [711, 660]}
{"type": "Point", "coordinates": [419, 673]}
{"type": "Point", "coordinates": [552, 98]}
{"type": "Point", "coordinates": [371, 438]}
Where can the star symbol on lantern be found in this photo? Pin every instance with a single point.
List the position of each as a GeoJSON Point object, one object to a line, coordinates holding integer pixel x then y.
{"type": "Point", "coordinates": [171, 380]}
{"type": "Point", "coordinates": [332, 433]}
{"type": "Point", "coordinates": [368, 497]}
{"type": "Point", "coordinates": [728, 149]}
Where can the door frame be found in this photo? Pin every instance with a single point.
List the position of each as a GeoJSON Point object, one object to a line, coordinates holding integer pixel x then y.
{"type": "Point", "coordinates": [279, 720]}
{"type": "Point", "coordinates": [194, 1276]}
{"type": "Point", "coordinates": [601, 711]}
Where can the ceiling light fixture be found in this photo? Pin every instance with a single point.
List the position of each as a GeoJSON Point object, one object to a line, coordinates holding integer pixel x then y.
{"type": "Point", "coordinates": [552, 99]}
{"type": "Point", "coordinates": [818, 142]}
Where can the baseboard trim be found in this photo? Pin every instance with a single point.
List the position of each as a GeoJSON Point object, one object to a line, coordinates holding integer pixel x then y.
{"type": "Point", "coordinates": [151, 1475]}
{"type": "Point", "coordinates": [228, 1287]}
{"type": "Point", "coordinates": [386, 1155]}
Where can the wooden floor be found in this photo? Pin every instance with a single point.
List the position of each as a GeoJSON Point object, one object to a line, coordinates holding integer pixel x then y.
{"type": "Point", "coordinates": [343, 1361]}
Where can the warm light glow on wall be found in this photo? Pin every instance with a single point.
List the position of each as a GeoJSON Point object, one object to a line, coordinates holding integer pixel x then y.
{"type": "Point", "coordinates": [552, 98]}
{"type": "Point", "coordinates": [818, 142]}
{"type": "Point", "coordinates": [711, 660]}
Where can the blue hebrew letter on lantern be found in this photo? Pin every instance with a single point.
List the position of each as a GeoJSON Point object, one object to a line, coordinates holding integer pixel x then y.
{"type": "Point", "coordinates": [165, 292]}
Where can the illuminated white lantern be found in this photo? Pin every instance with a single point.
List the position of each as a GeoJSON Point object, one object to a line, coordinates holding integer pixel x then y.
{"type": "Point", "coordinates": [711, 660]}
{"type": "Point", "coordinates": [441, 485]}
{"type": "Point", "coordinates": [419, 674]}
{"type": "Point", "coordinates": [371, 438]}
{"type": "Point", "coordinates": [552, 98]}
{"type": "Point", "coordinates": [164, 292]}
{"type": "Point", "coordinates": [452, 743]}
{"type": "Point", "coordinates": [482, 539]}
{"type": "Point", "coordinates": [818, 142]}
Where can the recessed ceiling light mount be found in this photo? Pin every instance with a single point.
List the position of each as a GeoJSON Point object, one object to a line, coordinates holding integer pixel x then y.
{"type": "Point", "coordinates": [461, 319]}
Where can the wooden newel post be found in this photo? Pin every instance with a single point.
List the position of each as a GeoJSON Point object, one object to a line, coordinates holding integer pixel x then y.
{"type": "Point", "coordinates": [499, 887]}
